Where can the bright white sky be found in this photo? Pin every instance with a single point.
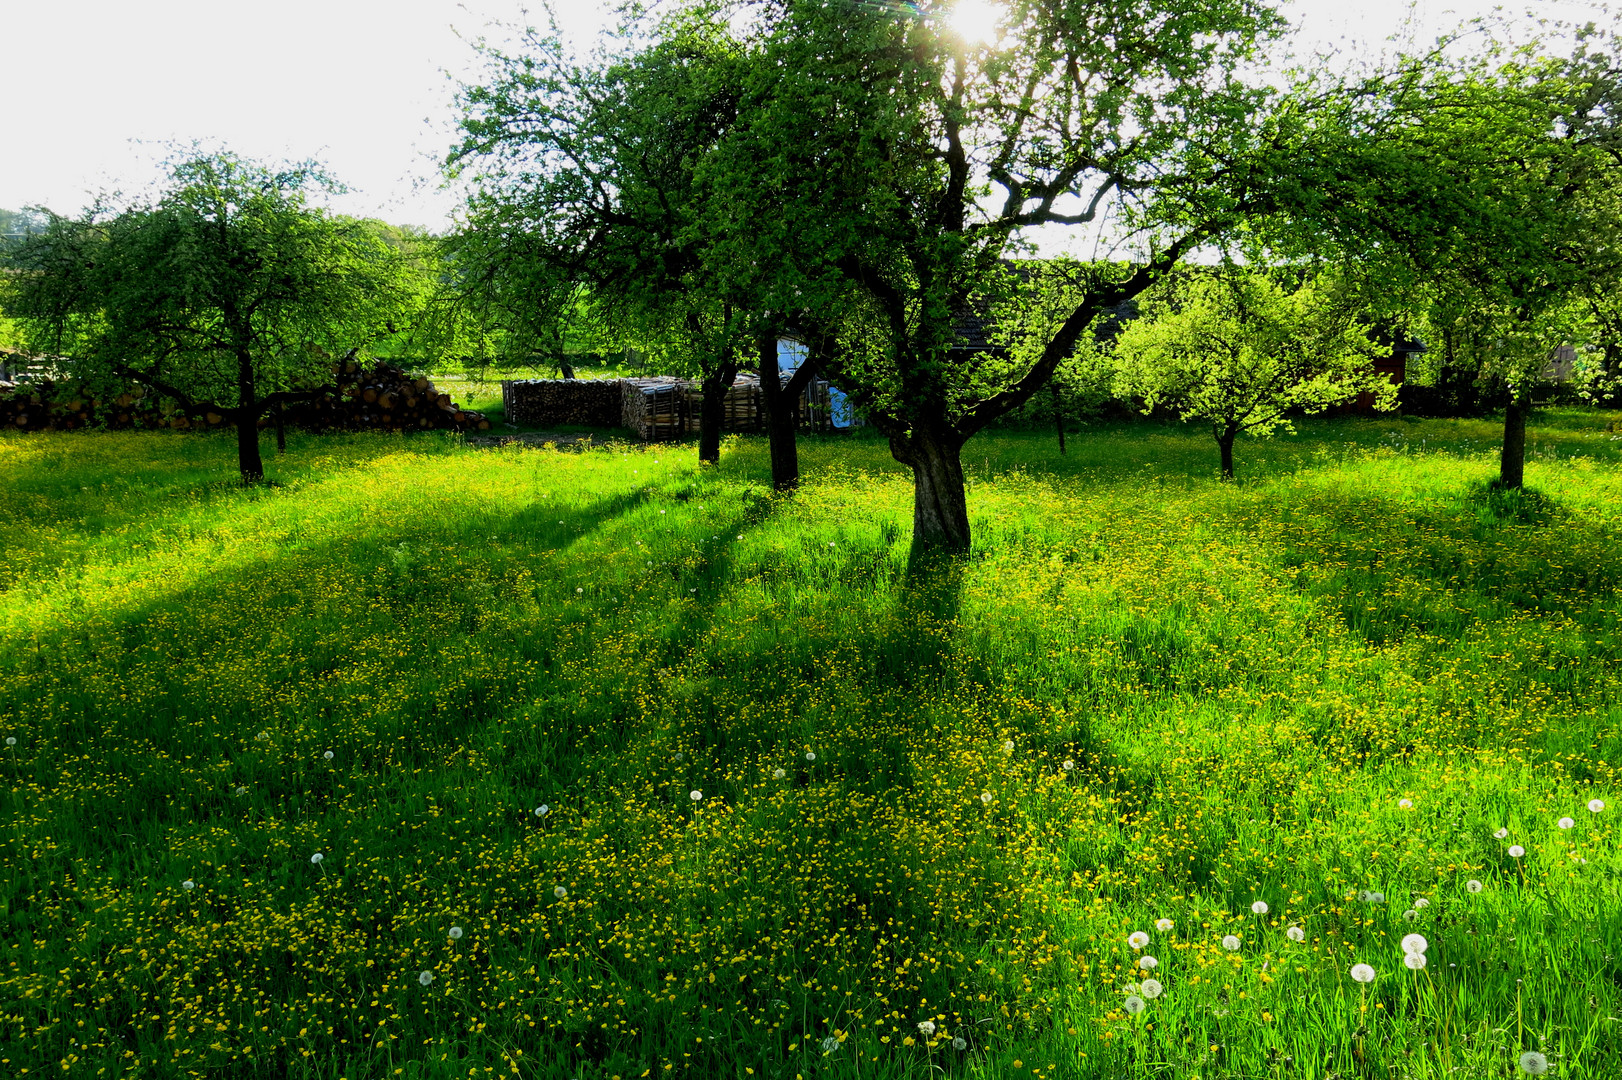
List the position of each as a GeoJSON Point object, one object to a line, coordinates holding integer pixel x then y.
{"type": "Point", "coordinates": [97, 86]}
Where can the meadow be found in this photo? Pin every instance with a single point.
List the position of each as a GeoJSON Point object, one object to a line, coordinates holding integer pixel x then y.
{"type": "Point", "coordinates": [433, 761]}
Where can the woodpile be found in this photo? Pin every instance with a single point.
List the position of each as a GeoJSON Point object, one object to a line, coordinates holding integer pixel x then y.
{"type": "Point", "coordinates": [379, 397]}
{"type": "Point", "coordinates": [657, 409]}
{"type": "Point", "coordinates": [654, 408]}
{"type": "Point", "coordinates": [584, 402]}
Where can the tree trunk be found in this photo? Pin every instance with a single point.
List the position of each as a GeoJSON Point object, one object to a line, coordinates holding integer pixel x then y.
{"type": "Point", "coordinates": [1224, 438]}
{"type": "Point", "coordinates": [781, 412]}
{"type": "Point", "coordinates": [248, 460]}
{"type": "Point", "coordinates": [1058, 415]}
{"type": "Point", "coordinates": [1512, 458]}
{"type": "Point", "coordinates": [940, 506]}
{"type": "Point", "coordinates": [710, 410]}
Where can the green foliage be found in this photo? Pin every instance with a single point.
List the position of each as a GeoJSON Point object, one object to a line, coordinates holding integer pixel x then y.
{"type": "Point", "coordinates": [1246, 678]}
{"type": "Point", "coordinates": [1234, 350]}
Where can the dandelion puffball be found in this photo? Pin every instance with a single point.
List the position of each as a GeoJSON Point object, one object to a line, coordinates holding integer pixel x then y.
{"type": "Point", "coordinates": [560, 892]}
{"type": "Point", "coordinates": [1421, 903]}
{"type": "Point", "coordinates": [959, 1042]}
{"type": "Point", "coordinates": [1500, 834]}
{"type": "Point", "coordinates": [1152, 988]}
{"type": "Point", "coordinates": [1259, 907]}
{"type": "Point", "coordinates": [810, 755]}
{"type": "Point", "coordinates": [1405, 804]}
{"type": "Point", "coordinates": [696, 796]}
{"type": "Point", "coordinates": [1415, 943]}
{"type": "Point", "coordinates": [830, 1043]}
{"type": "Point", "coordinates": [188, 885]}
{"type": "Point", "coordinates": [316, 858]}
{"type": "Point", "coordinates": [1566, 823]}
{"type": "Point", "coordinates": [1147, 963]}
{"type": "Point", "coordinates": [1008, 748]}
{"type": "Point", "coordinates": [1534, 1063]}
{"type": "Point", "coordinates": [1069, 766]}
{"type": "Point", "coordinates": [1231, 943]}
{"type": "Point", "coordinates": [1472, 885]}
{"type": "Point", "coordinates": [579, 589]}
{"type": "Point", "coordinates": [542, 810]}
{"type": "Point", "coordinates": [1138, 939]}
{"type": "Point", "coordinates": [1164, 925]}
{"type": "Point", "coordinates": [1295, 933]}
{"type": "Point", "coordinates": [1516, 851]}
{"type": "Point", "coordinates": [1414, 960]}
{"type": "Point", "coordinates": [456, 933]}
{"type": "Point", "coordinates": [985, 797]}
{"type": "Point", "coordinates": [11, 740]}
{"type": "Point", "coordinates": [926, 1028]}
{"type": "Point", "coordinates": [327, 756]}
{"type": "Point", "coordinates": [426, 977]}
{"type": "Point", "coordinates": [1594, 805]}
{"type": "Point", "coordinates": [1410, 914]}
{"type": "Point", "coordinates": [1362, 973]}
{"type": "Point", "coordinates": [778, 774]}
{"type": "Point", "coordinates": [1133, 1004]}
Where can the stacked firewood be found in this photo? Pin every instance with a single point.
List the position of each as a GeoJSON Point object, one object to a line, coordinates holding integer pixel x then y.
{"type": "Point", "coordinates": [656, 408]}
{"type": "Point", "coordinates": [741, 405]}
{"type": "Point", "coordinates": [584, 402]}
{"type": "Point", "coordinates": [381, 396]}
{"type": "Point", "coordinates": [39, 407]}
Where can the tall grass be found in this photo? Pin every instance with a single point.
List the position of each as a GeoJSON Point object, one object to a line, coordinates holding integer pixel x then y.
{"type": "Point", "coordinates": [796, 803]}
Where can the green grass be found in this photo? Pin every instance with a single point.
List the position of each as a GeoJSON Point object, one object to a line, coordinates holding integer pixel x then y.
{"type": "Point", "coordinates": [1246, 680]}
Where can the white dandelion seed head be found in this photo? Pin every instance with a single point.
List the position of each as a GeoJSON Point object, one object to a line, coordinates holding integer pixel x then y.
{"type": "Point", "coordinates": [455, 933]}
{"type": "Point", "coordinates": [1008, 746]}
{"type": "Point", "coordinates": [740, 536]}
{"type": "Point", "coordinates": [1500, 834]}
{"type": "Point", "coordinates": [242, 790]}
{"type": "Point", "coordinates": [1566, 823]}
{"type": "Point", "coordinates": [1164, 925]}
{"type": "Point", "coordinates": [262, 736]}
{"type": "Point", "coordinates": [1069, 765]}
{"type": "Point", "coordinates": [959, 1042]}
{"type": "Point", "coordinates": [1415, 943]}
{"type": "Point", "coordinates": [680, 756]}
{"type": "Point", "coordinates": [11, 740]}
{"type": "Point", "coordinates": [1147, 963]}
{"type": "Point", "coordinates": [778, 774]}
{"type": "Point", "coordinates": [1152, 988]}
{"type": "Point", "coordinates": [1376, 897]}
{"type": "Point", "coordinates": [1365, 896]}
{"type": "Point", "coordinates": [1421, 903]}
{"type": "Point", "coordinates": [188, 885]}
{"type": "Point", "coordinates": [1259, 907]}
{"type": "Point", "coordinates": [1472, 885]}
{"type": "Point", "coordinates": [542, 810]}
{"type": "Point", "coordinates": [1138, 939]}
{"type": "Point", "coordinates": [696, 796]}
{"type": "Point", "coordinates": [316, 858]}
{"type": "Point", "coordinates": [579, 589]}
{"type": "Point", "coordinates": [426, 977]}
{"type": "Point", "coordinates": [1133, 1004]}
{"type": "Point", "coordinates": [327, 756]}
{"type": "Point", "coordinates": [1231, 943]}
{"type": "Point", "coordinates": [1405, 804]}
{"type": "Point", "coordinates": [985, 797]}
{"type": "Point", "coordinates": [1414, 960]}
{"type": "Point", "coordinates": [1362, 973]}
{"type": "Point", "coordinates": [830, 1043]}
{"type": "Point", "coordinates": [1534, 1063]}
{"type": "Point", "coordinates": [1219, 1012]}
{"type": "Point", "coordinates": [926, 1028]}
{"type": "Point", "coordinates": [1295, 933]}
{"type": "Point", "coordinates": [1516, 851]}
{"type": "Point", "coordinates": [1594, 805]}
{"type": "Point", "coordinates": [810, 755]}
{"type": "Point", "coordinates": [560, 892]}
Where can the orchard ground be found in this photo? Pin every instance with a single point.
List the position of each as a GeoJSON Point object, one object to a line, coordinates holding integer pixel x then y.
{"type": "Point", "coordinates": [616, 767]}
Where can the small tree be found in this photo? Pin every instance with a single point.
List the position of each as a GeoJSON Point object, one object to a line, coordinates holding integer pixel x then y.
{"type": "Point", "coordinates": [1232, 349]}
{"type": "Point", "coordinates": [226, 292]}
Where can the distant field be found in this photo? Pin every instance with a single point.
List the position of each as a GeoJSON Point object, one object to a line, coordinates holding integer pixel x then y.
{"type": "Point", "coordinates": [616, 767]}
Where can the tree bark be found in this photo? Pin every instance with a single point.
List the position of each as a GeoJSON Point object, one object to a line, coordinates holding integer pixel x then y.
{"type": "Point", "coordinates": [1224, 438]}
{"type": "Point", "coordinates": [780, 417]}
{"type": "Point", "coordinates": [1512, 458]}
{"type": "Point", "coordinates": [710, 409]}
{"type": "Point", "coordinates": [940, 507]}
{"type": "Point", "coordinates": [247, 416]}
{"type": "Point", "coordinates": [1058, 414]}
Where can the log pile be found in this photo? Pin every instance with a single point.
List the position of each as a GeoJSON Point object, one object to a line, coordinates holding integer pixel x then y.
{"type": "Point", "coordinates": [584, 402]}
{"type": "Point", "coordinates": [654, 408]}
{"type": "Point", "coordinates": [742, 408]}
{"type": "Point", "coordinates": [380, 397]}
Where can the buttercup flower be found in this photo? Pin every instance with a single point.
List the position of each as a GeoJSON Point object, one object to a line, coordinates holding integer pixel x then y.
{"type": "Point", "coordinates": [1362, 973]}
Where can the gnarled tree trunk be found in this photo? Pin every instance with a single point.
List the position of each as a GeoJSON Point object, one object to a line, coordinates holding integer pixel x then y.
{"type": "Point", "coordinates": [940, 507]}
{"type": "Point", "coordinates": [1512, 457]}
{"type": "Point", "coordinates": [247, 417]}
{"type": "Point", "coordinates": [715, 388]}
{"type": "Point", "coordinates": [1224, 439]}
